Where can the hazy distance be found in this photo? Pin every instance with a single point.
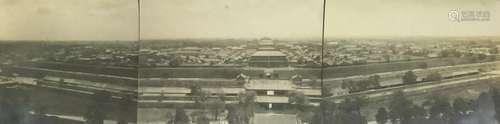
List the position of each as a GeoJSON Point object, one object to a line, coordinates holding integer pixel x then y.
{"type": "Point", "coordinates": [68, 20]}
{"type": "Point", "coordinates": [408, 18]}
{"type": "Point", "coordinates": [164, 19]}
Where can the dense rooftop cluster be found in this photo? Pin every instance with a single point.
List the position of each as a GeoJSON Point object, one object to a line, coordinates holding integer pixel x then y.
{"type": "Point", "coordinates": [86, 53]}
{"type": "Point", "coordinates": [337, 52]}
{"type": "Point", "coordinates": [357, 52]}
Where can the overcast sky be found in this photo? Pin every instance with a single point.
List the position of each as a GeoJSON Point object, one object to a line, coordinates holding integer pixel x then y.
{"type": "Point", "coordinates": [408, 18]}
{"type": "Point", "coordinates": [68, 20]}
{"type": "Point", "coordinates": [161, 19]}
{"type": "Point", "coordinates": [230, 18]}
{"type": "Point", "coordinates": [302, 18]}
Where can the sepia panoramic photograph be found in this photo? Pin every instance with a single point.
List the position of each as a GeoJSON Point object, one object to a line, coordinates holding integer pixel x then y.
{"type": "Point", "coordinates": [68, 61]}
{"type": "Point", "coordinates": [249, 62]}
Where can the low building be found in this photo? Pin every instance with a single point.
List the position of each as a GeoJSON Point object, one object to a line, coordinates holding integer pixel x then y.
{"type": "Point", "coordinates": [268, 59]}
{"type": "Point", "coordinates": [271, 94]}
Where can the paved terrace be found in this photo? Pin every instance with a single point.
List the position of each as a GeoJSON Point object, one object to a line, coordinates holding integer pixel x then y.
{"type": "Point", "coordinates": [154, 94]}
{"type": "Point", "coordinates": [260, 84]}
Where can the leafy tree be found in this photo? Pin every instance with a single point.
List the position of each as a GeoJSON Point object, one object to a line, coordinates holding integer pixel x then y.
{"type": "Point", "coordinates": [233, 116]}
{"type": "Point", "coordinates": [175, 62]}
{"type": "Point", "coordinates": [422, 65]}
{"type": "Point", "coordinates": [354, 86]}
{"type": "Point", "coordinates": [353, 104]}
{"type": "Point", "coordinates": [444, 53]}
{"type": "Point", "coordinates": [242, 112]}
{"type": "Point", "coordinates": [374, 81]}
{"type": "Point", "coordinates": [94, 115]}
{"type": "Point", "coordinates": [461, 106]}
{"type": "Point", "coordinates": [326, 111]}
{"type": "Point", "coordinates": [450, 53]}
{"type": "Point", "coordinates": [221, 95]}
{"type": "Point", "coordinates": [180, 116]}
{"type": "Point", "coordinates": [200, 97]}
{"type": "Point", "coordinates": [217, 106]}
{"type": "Point", "coordinates": [248, 104]}
{"type": "Point", "coordinates": [347, 84]}
{"type": "Point", "coordinates": [169, 118]}
{"type": "Point", "coordinates": [305, 116]}
{"type": "Point", "coordinates": [301, 103]}
{"type": "Point", "coordinates": [326, 90]}
{"type": "Point", "coordinates": [349, 111]}
{"type": "Point", "coordinates": [95, 111]}
{"type": "Point", "coordinates": [496, 101]}
{"type": "Point", "coordinates": [440, 107]}
{"type": "Point", "coordinates": [455, 53]}
{"type": "Point", "coordinates": [342, 117]}
{"type": "Point", "coordinates": [434, 76]}
{"type": "Point", "coordinates": [195, 90]}
{"type": "Point", "coordinates": [321, 117]}
{"type": "Point", "coordinates": [409, 77]}
{"type": "Point", "coordinates": [299, 100]}
{"type": "Point", "coordinates": [418, 112]}
{"type": "Point", "coordinates": [400, 108]}
{"type": "Point", "coordinates": [382, 116]}
{"type": "Point", "coordinates": [460, 109]}
{"type": "Point", "coordinates": [237, 114]}
{"type": "Point", "coordinates": [362, 85]}
{"type": "Point", "coordinates": [202, 119]}
{"type": "Point", "coordinates": [387, 58]}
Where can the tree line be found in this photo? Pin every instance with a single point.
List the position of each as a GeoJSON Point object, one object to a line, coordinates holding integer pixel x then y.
{"type": "Point", "coordinates": [400, 109]}
{"type": "Point", "coordinates": [373, 82]}
{"type": "Point", "coordinates": [210, 109]}
{"type": "Point", "coordinates": [20, 108]}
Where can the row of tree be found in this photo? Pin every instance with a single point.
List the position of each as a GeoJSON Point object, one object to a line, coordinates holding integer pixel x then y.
{"type": "Point", "coordinates": [346, 112]}
{"type": "Point", "coordinates": [16, 105]}
{"type": "Point", "coordinates": [210, 109]}
{"type": "Point", "coordinates": [400, 109]}
{"type": "Point", "coordinates": [373, 82]}
{"type": "Point", "coordinates": [435, 109]}
{"type": "Point", "coordinates": [365, 84]}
